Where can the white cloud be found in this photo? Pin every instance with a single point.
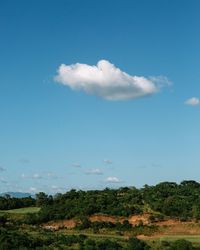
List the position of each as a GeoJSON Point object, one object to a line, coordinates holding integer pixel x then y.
{"type": "Point", "coordinates": [194, 101]}
{"type": "Point", "coordinates": [112, 179]}
{"type": "Point", "coordinates": [106, 161]}
{"type": "Point", "coordinates": [107, 81]}
{"type": "Point", "coordinates": [37, 176]}
{"type": "Point", "coordinates": [94, 171]}
{"type": "Point", "coordinates": [33, 176]}
{"type": "Point", "coordinates": [52, 175]}
{"type": "Point", "coordinates": [56, 189]}
{"type": "Point", "coordinates": [32, 189]}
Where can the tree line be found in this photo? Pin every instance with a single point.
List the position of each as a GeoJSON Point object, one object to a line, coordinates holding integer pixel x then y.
{"type": "Point", "coordinates": [166, 199]}
{"type": "Point", "coordinates": [7, 202]}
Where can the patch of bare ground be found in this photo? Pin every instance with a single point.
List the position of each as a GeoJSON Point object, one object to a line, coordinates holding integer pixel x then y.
{"type": "Point", "coordinates": [106, 218]}
{"type": "Point", "coordinates": [169, 222]}
{"type": "Point", "coordinates": [178, 228]}
{"type": "Point", "coordinates": [56, 225]}
{"type": "Point", "coordinates": [133, 220]}
{"type": "Point", "coordinates": [145, 237]}
{"type": "Point", "coordinates": [137, 219]}
{"type": "Point", "coordinates": [167, 227]}
{"type": "Point", "coordinates": [174, 227]}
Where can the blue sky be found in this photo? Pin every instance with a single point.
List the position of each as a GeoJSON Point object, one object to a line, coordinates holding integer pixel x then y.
{"type": "Point", "coordinates": [55, 136]}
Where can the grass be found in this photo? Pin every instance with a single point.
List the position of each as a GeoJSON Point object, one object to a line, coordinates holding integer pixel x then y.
{"type": "Point", "coordinates": [191, 238]}
{"type": "Point", "coordinates": [22, 210]}
{"type": "Point", "coordinates": [194, 239]}
{"type": "Point", "coordinates": [93, 235]}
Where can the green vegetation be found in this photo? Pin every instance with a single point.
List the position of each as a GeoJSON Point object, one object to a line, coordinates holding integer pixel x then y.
{"type": "Point", "coordinates": [7, 202]}
{"type": "Point", "coordinates": [36, 238]}
{"type": "Point", "coordinates": [166, 199]}
{"type": "Point", "coordinates": [29, 238]}
{"type": "Point", "coordinates": [194, 239]}
{"type": "Point", "coordinates": [25, 210]}
{"type": "Point", "coordinates": [120, 228]}
{"type": "Point", "coordinates": [21, 220]}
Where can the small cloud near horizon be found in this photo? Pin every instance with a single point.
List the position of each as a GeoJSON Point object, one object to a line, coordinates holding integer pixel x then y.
{"type": "Point", "coordinates": [94, 171]}
{"type": "Point", "coordinates": [112, 179]}
{"type": "Point", "coordinates": [2, 180]}
{"type": "Point", "coordinates": [37, 176]}
{"type": "Point", "coordinates": [32, 189]}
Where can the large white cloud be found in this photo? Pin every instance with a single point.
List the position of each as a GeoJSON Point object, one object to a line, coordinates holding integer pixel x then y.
{"type": "Point", "coordinates": [107, 81]}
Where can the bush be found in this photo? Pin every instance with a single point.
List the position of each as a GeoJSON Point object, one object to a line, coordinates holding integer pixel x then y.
{"type": "Point", "coordinates": [181, 245]}
{"type": "Point", "coordinates": [136, 244]}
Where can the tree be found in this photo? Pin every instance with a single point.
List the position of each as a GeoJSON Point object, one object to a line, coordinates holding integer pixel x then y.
{"type": "Point", "coordinates": [136, 244]}
{"type": "Point", "coordinates": [181, 245]}
{"type": "Point", "coordinates": [41, 199]}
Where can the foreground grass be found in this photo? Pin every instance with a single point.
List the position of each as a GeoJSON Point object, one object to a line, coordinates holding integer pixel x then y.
{"type": "Point", "coordinates": [22, 210]}
{"type": "Point", "coordinates": [195, 239]}
{"type": "Point", "coordinates": [96, 235]}
{"type": "Point", "coordinates": [155, 243]}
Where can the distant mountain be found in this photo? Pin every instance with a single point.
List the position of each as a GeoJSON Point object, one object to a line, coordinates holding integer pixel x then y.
{"type": "Point", "coordinates": [17, 194]}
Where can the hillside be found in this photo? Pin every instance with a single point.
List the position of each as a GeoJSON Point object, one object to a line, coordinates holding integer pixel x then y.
{"type": "Point", "coordinates": [154, 217]}
{"type": "Point", "coordinates": [164, 200]}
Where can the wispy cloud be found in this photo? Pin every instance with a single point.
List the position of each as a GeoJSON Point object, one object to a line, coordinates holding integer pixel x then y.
{"type": "Point", "coordinates": [94, 171]}
{"type": "Point", "coordinates": [56, 189]}
{"type": "Point", "coordinates": [33, 189]}
{"type": "Point", "coordinates": [32, 176]}
{"type": "Point", "coordinates": [76, 165]}
{"type": "Point", "coordinates": [24, 160]}
{"type": "Point", "coordinates": [51, 175]}
{"type": "Point", "coordinates": [36, 176]}
{"type": "Point", "coordinates": [148, 166]}
{"type": "Point", "coordinates": [112, 179]}
{"type": "Point", "coordinates": [106, 161]}
{"type": "Point", "coordinates": [2, 180]}
{"type": "Point", "coordinates": [107, 81]}
{"type": "Point", "coordinates": [194, 101]}
{"type": "Point", "coordinates": [2, 169]}
{"type": "Point", "coordinates": [156, 165]}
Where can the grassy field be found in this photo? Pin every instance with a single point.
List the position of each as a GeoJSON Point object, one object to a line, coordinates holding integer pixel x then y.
{"type": "Point", "coordinates": [22, 210]}
{"type": "Point", "coordinates": [154, 243]}
{"type": "Point", "coordinates": [93, 235]}
{"type": "Point", "coordinates": [194, 239]}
